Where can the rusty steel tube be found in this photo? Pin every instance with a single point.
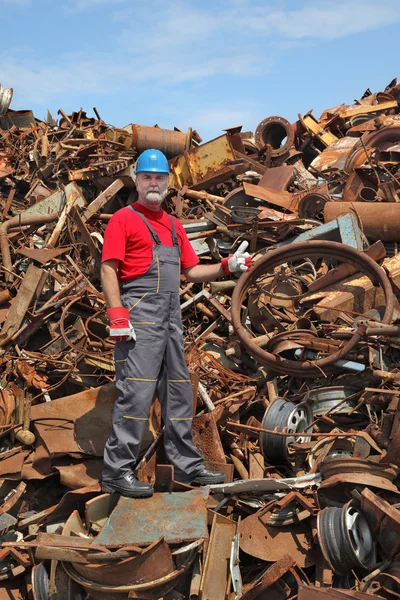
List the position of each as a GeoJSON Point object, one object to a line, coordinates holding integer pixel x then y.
{"type": "Point", "coordinates": [312, 249]}
{"type": "Point", "coordinates": [168, 141]}
{"type": "Point", "coordinates": [15, 221]}
{"type": "Point", "coordinates": [367, 194]}
{"type": "Point", "coordinates": [274, 131]}
{"type": "Point", "coordinates": [379, 221]}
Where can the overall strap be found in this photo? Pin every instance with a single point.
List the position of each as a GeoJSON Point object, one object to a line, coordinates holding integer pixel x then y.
{"type": "Point", "coordinates": [174, 236]}
{"type": "Point", "coordinates": [149, 227]}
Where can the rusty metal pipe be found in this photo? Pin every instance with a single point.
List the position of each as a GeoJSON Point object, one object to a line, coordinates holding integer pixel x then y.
{"type": "Point", "coordinates": [379, 222]}
{"type": "Point", "coordinates": [222, 287]}
{"type": "Point", "coordinates": [274, 131]}
{"type": "Point", "coordinates": [312, 249]}
{"type": "Point", "coordinates": [298, 434]}
{"type": "Point", "coordinates": [168, 141]}
{"type": "Point", "coordinates": [367, 194]}
{"type": "Point", "coordinates": [202, 195]}
{"type": "Point", "coordinates": [15, 221]}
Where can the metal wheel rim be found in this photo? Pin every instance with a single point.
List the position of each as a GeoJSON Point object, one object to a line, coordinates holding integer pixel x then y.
{"type": "Point", "coordinates": [313, 249]}
{"type": "Point", "coordinates": [280, 414]}
{"type": "Point", "coordinates": [359, 533]}
{"type": "Point", "coordinates": [299, 420]}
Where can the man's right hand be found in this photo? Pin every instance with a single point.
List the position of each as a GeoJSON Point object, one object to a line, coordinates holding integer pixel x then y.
{"type": "Point", "coordinates": [120, 329]}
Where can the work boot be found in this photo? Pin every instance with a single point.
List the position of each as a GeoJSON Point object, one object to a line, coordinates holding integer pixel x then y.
{"type": "Point", "coordinates": [206, 477]}
{"type": "Point", "coordinates": [129, 486]}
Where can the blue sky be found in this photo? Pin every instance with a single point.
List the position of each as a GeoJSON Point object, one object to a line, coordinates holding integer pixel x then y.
{"type": "Point", "coordinates": [209, 64]}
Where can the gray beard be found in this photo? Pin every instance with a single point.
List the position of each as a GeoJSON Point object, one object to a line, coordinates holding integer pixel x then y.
{"type": "Point", "coordinates": [156, 196]}
{"type": "Point", "coordinates": [153, 197]}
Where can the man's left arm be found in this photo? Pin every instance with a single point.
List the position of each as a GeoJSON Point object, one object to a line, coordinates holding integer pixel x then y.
{"type": "Point", "coordinates": [239, 262]}
{"type": "Point", "coordinates": [200, 273]}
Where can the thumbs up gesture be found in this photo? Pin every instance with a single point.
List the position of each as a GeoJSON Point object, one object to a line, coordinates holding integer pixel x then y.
{"type": "Point", "coordinates": [240, 261]}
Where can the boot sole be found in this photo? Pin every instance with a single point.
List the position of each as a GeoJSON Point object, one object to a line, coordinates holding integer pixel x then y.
{"type": "Point", "coordinates": [110, 489]}
{"type": "Point", "coordinates": [208, 481]}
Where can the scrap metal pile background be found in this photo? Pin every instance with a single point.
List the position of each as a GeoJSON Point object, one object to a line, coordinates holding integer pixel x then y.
{"type": "Point", "coordinates": [294, 365]}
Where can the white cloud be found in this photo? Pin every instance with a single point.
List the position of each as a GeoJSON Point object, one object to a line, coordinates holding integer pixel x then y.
{"type": "Point", "coordinates": [36, 82]}
{"type": "Point", "coordinates": [324, 19]}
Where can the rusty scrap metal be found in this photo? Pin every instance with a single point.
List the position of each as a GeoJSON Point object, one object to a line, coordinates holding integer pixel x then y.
{"type": "Point", "coordinates": [294, 364]}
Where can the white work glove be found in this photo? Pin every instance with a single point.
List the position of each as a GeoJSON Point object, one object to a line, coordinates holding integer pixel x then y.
{"type": "Point", "coordinates": [238, 262]}
{"type": "Point", "coordinates": [121, 329]}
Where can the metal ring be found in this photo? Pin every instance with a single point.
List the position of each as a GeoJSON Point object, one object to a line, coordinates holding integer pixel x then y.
{"type": "Point", "coordinates": [273, 131]}
{"type": "Point", "coordinates": [313, 249]}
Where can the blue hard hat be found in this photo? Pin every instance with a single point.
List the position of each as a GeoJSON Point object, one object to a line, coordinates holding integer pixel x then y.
{"type": "Point", "coordinates": [152, 161]}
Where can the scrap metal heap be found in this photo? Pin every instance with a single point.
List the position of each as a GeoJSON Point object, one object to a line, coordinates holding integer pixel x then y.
{"type": "Point", "coordinates": [294, 365]}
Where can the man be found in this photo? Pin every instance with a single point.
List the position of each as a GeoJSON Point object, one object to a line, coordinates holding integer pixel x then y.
{"type": "Point", "coordinates": [144, 252]}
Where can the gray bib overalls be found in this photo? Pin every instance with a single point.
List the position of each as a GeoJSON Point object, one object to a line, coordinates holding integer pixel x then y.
{"type": "Point", "coordinates": [155, 362]}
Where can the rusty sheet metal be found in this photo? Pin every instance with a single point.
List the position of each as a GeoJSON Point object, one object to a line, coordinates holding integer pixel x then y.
{"type": "Point", "coordinates": [319, 593]}
{"type": "Point", "coordinates": [335, 155]}
{"type": "Point", "coordinates": [26, 293]}
{"type": "Point", "coordinates": [11, 464]}
{"type": "Point", "coordinates": [98, 509]}
{"type": "Point", "coordinates": [178, 517]}
{"type": "Point", "coordinates": [71, 501]}
{"type": "Point", "coordinates": [278, 178]}
{"type": "Point", "coordinates": [282, 199]}
{"type": "Point", "coordinates": [43, 255]}
{"type": "Point", "coordinates": [83, 474]}
{"type": "Point", "coordinates": [270, 543]}
{"type": "Point", "coordinates": [215, 579]}
{"type": "Point", "coordinates": [152, 590]}
{"type": "Point", "coordinates": [102, 199]}
{"type": "Point", "coordinates": [154, 562]}
{"type": "Point", "coordinates": [206, 438]}
{"type": "Point", "coordinates": [78, 423]}
{"type": "Point", "coordinates": [384, 521]}
{"type": "Point", "coordinates": [56, 202]}
{"type": "Point", "coordinates": [271, 576]}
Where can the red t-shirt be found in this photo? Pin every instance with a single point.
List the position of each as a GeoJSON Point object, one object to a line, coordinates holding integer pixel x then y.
{"type": "Point", "coordinates": [128, 240]}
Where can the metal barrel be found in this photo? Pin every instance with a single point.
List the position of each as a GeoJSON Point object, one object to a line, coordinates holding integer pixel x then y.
{"type": "Point", "coordinates": [168, 141]}
{"type": "Point", "coordinates": [379, 221]}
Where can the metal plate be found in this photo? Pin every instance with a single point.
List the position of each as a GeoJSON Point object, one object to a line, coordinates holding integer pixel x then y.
{"type": "Point", "coordinates": [178, 517]}
{"type": "Point", "coordinates": [272, 543]}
